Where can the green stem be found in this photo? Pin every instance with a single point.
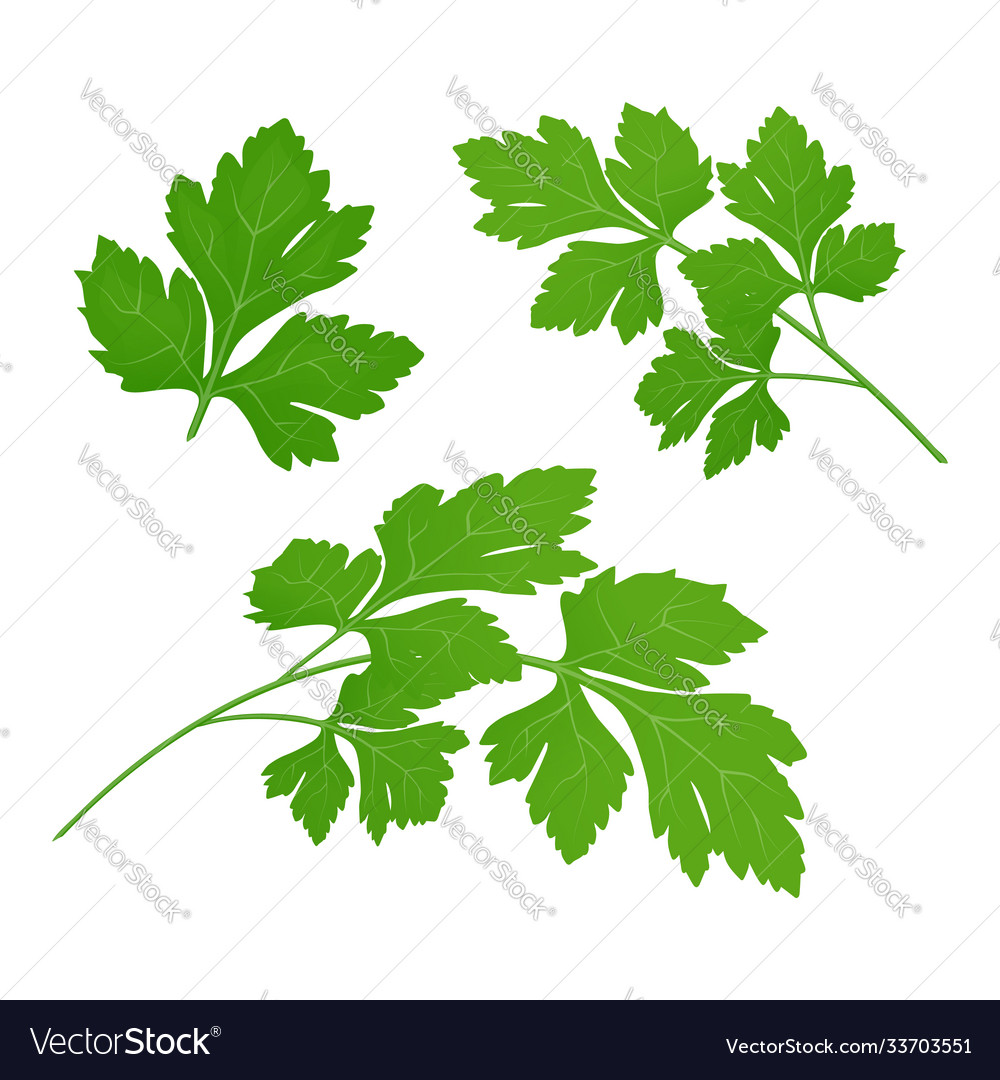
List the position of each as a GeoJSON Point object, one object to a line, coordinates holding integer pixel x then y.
{"type": "Point", "coordinates": [216, 717]}
{"type": "Point", "coordinates": [808, 378]}
{"type": "Point", "coordinates": [821, 343]}
{"type": "Point", "coordinates": [220, 355]}
{"type": "Point", "coordinates": [867, 384]}
{"type": "Point", "coordinates": [811, 296]}
{"type": "Point", "coordinates": [203, 402]}
{"type": "Point", "coordinates": [320, 648]}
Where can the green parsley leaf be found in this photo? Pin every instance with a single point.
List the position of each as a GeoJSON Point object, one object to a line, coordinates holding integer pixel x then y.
{"type": "Point", "coordinates": [312, 584]}
{"type": "Point", "coordinates": [424, 656]}
{"type": "Point", "coordinates": [264, 240]}
{"type": "Point", "coordinates": [785, 191]}
{"type": "Point", "coordinates": [153, 337]}
{"type": "Point", "coordinates": [588, 278]}
{"type": "Point", "coordinates": [855, 267]}
{"type": "Point", "coordinates": [541, 189]}
{"type": "Point", "coordinates": [402, 774]}
{"type": "Point", "coordinates": [661, 175]}
{"type": "Point", "coordinates": [323, 781]}
{"type": "Point", "coordinates": [491, 536]}
{"type": "Point", "coordinates": [740, 283]}
{"type": "Point", "coordinates": [582, 775]}
{"type": "Point", "coordinates": [748, 801]}
{"type": "Point", "coordinates": [644, 627]}
{"type": "Point", "coordinates": [687, 383]}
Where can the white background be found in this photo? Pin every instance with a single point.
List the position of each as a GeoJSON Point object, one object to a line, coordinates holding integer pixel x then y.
{"type": "Point", "coordinates": [882, 663]}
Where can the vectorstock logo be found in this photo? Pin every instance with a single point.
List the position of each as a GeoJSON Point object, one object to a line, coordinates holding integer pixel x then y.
{"type": "Point", "coordinates": [125, 129]}
{"type": "Point", "coordinates": [869, 871]}
{"type": "Point", "coordinates": [320, 691]}
{"type": "Point", "coordinates": [141, 1042]}
{"type": "Point", "coordinates": [503, 872]}
{"type": "Point", "coordinates": [329, 328]}
{"type": "Point", "coordinates": [504, 507]}
{"type": "Point", "coordinates": [135, 873]}
{"type": "Point", "coordinates": [479, 115]}
{"type": "Point", "coordinates": [715, 720]}
{"type": "Point", "coordinates": [141, 511]}
{"type": "Point", "coordinates": [874, 140]}
{"type": "Point", "coordinates": [870, 503]}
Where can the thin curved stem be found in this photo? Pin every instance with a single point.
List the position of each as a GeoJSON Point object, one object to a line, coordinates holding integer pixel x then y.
{"type": "Point", "coordinates": [216, 717]}
{"type": "Point", "coordinates": [321, 648]}
{"type": "Point", "coordinates": [811, 297]}
{"type": "Point", "coordinates": [291, 717]}
{"type": "Point", "coordinates": [809, 378]}
{"type": "Point", "coordinates": [866, 383]}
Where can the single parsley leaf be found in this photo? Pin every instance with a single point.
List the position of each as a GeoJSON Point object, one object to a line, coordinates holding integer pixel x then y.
{"type": "Point", "coordinates": [785, 191]}
{"type": "Point", "coordinates": [299, 365]}
{"type": "Point", "coordinates": [855, 267]}
{"type": "Point", "coordinates": [687, 383]}
{"type": "Point", "coordinates": [753, 417]}
{"type": "Point", "coordinates": [154, 340]}
{"type": "Point", "coordinates": [739, 283]}
{"type": "Point", "coordinates": [541, 189]}
{"type": "Point", "coordinates": [589, 277]}
{"type": "Point", "coordinates": [644, 627]}
{"type": "Point", "coordinates": [265, 239]}
{"type": "Point", "coordinates": [748, 801]}
{"type": "Point", "coordinates": [323, 781]}
{"type": "Point", "coordinates": [661, 175]}
{"type": "Point", "coordinates": [491, 536]}
{"type": "Point", "coordinates": [582, 775]}
{"type": "Point", "coordinates": [312, 583]}
{"type": "Point", "coordinates": [402, 774]}
{"type": "Point", "coordinates": [245, 233]}
{"type": "Point", "coordinates": [424, 656]}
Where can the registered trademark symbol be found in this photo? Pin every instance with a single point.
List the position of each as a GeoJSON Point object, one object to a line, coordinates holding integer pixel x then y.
{"type": "Point", "coordinates": [920, 543]}
{"type": "Point", "coordinates": [373, 364]}
{"type": "Point", "coordinates": [922, 178]}
{"type": "Point", "coordinates": [917, 908]}
{"type": "Point", "coordinates": [186, 914]}
{"type": "Point", "coordinates": [552, 911]}
{"type": "Point", "coordinates": [216, 1030]}
{"type": "Point", "coordinates": [4, 733]}
{"type": "Point", "coordinates": [736, 727]}
{"type": "Point", "coordinates": [189, 548]}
